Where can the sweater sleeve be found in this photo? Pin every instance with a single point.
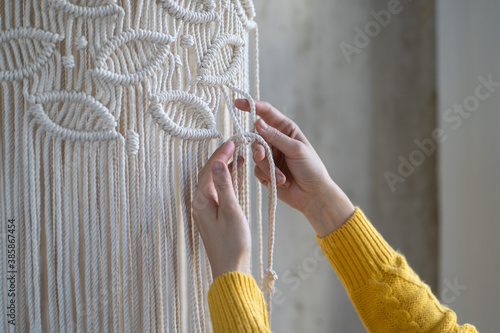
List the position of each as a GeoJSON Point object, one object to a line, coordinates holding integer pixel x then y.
{"type": "Point", "coordinates": [237, 305]}
{"type": "Point", "coordinates": [387, 294]}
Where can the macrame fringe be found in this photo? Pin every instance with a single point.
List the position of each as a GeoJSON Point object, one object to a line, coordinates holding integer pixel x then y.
{"type": "Point", "coordinates": [111, 108]}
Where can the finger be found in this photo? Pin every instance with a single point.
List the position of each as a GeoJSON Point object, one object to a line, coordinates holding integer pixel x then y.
{"type": "Point", "coordinates": [262, 171]}
{"type": "Point", "coordinates": [205, 199]}
{"type": "Point", "coordinates": [223, 185]}
{"type": "Point", "coordinates": [275, 138]}
{"type": "Point", "coordinates": [264, 166]}
{"type": "Point", "coordinates": [273, 117]}
{"type": "Point", "coordinates": [259, 155]}
{"type": "Point", "coordinates": [205, 182]}
{"type": "Point", "coordinates": [265, 110]}
{"type": "Point", "coordinates": [224, 151]}
{"type": "Point", "coordinates": [222, 154]}
{"type": "Point", "coordinates": [258, 151]}
{"type": "Point", "coordinates": [261, 175]}
{"type": "Point", "coordinates": [240, 161]}
{"type": "Point", "coordinates": [204, 204]}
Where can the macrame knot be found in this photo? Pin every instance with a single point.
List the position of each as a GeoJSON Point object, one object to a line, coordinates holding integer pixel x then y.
{"type": "Point", "coordinates": [81, 43]}
{"type": "Point", "coordinates": [187, 41]}
{"type": "Point", "coordinates": [209, 4]}
{"type": "Point", "coordinates": [178, 61]}
{"type": "Point", "coordinates": [132, 143]}
{"type": "Point", "coordinates": [203, 71]}
{"type": "Point", "coordinates": [268, 283]}
{"type": "Point", "coordinates": [68, 61]}
{"type": "Point", "coordinates": [240, 138]}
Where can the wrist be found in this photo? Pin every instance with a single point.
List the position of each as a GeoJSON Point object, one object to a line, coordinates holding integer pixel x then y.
{"type": "Point", "coordinates": [242, 265]}
{"type": "Point", "coordinates": [328, 210]}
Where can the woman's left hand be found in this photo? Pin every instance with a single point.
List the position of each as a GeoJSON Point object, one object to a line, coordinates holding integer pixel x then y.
{"type": "Point", "coordinates": [218, 215]}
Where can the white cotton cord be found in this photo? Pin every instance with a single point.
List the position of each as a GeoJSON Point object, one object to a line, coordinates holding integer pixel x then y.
{"type": "Point", "coordinates": [151, 215]}
{"type": "Point", "coordinates": [18, 209]}
{"type": "Point", "coordinates": [15, 191]}
{"type": "Point", "coordinates": [87, 237]}
{"type": "Point", "coordinates": [80, 315]}
{"type": "Point", "coordinates": [94, 239]}
{"type": "Point", "coordinates": [148, 223]}
{"type": "Point", "coordinates": [173, 239]}
{"type": "Point", "coordinates": [259, 232]}
{"type": "Point", "coordinates": [110, 110]}
{"type": "Point", "coordinates": [162, 235]}
{"type": "Point", "coordinates": [30, 207]}
{"type": "Point", "coordinates": [145, 295]}
{"type": "Point", "coordinates": [59, 235]}
{"type": "Point", "coordinates": [125, 250]}
{"type": "Point", "coordinates": [132, 143]}
{"type": "Point", "coordinates": [49, 235]}
{"type": "Point", "coordinates": [195, 168]}
{"type": "Point", "coordinates": [270, 275]}
{"type": "Point", "coordinates": [256, 64]}
{"type": "Point", "coordinates": [113, 240]}
{"type": "Point", "coordinates": [183, 176]}
{"type": "Point", "coordinates": [103, 240]}
{"type": "Point", "coordinates": [8, 195]}
{"type": "Point", "coordinates": [66, 204]}
{"type": "Point", "coordinates": [187, 41]}
{"type": "Point", "coordinates": [81, 43]}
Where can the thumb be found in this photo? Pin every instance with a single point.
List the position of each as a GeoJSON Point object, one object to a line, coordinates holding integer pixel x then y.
{"type": "Point", "coordinates": [223, 184]}
{"type": "Point", "coordinates": [278, 139]}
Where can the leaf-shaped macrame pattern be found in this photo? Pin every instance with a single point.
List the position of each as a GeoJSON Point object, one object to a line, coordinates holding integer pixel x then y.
{"type": "Point", "coordinates": [189, 106]}
{"type": "Point", "coordinates": [75, 111]}
{"type": "Point", "coordinates": [189, 16]}
{"type": "Point", "coordinates": [213, 70]}
{"type": "Point", "coordinates": [139, 62]}
{"type": "Point", "coordinates": [15, 62]}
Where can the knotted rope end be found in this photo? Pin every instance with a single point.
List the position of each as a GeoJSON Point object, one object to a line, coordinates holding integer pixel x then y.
{"type": "Point", "coordinates": [268, 282]}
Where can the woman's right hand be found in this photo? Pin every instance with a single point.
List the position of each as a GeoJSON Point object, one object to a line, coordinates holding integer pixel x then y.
{"type": "Point", "coordinates": [302, 178]}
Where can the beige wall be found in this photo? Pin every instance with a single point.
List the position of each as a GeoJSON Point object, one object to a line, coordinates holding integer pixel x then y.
{"type": "Point", "coordinates": [360, 115]}
{"type": "Point", "coordinates": [469, 48]}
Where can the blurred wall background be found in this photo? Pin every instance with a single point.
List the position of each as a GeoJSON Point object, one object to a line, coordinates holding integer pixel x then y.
{"type": "Point", "coordinates": [469, 160]}
{"type": "Point", "coordinates": [362, 85]}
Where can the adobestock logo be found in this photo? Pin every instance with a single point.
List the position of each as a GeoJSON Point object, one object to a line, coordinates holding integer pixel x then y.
{"type": "Point", "coordinates": [451, 291]}
{"type": "Point", "coordinates": [295, 275]}
{"type": "Point", "coordinates": [362, 37]}
{"type": "Point", "coordinates": [454, 117]}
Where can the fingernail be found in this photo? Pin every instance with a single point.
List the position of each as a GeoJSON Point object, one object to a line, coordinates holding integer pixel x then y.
{"type": "Point", "coordinates": [217, 167]}
{"type": "Point", "coordinates": [263, 124]}
{"type": "Point", "coordinates": [279, 178]}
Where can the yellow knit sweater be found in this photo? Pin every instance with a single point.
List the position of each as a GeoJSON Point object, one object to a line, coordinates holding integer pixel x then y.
{"type": "Point", "coordinates": [387, 294]}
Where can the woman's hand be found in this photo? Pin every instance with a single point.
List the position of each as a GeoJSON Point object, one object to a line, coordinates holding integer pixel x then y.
{"type": "Point", "coordinates": [302, 178]}
{"type": "Point", "coordinates": [218, 215]}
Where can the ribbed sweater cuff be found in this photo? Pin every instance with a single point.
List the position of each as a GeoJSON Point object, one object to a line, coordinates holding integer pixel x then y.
{"type": "Point", "coordinates": [356, 251]}
{"type": "Point", "coordinates": [237, 304]}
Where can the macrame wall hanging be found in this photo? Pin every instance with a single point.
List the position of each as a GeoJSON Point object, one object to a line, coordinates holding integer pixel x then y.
{"type": "Point", "coordinates": [109, 110]}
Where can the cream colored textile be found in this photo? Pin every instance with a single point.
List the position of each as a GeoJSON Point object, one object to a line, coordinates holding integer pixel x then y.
{"type": "Point", "coordinates": [109, 110]}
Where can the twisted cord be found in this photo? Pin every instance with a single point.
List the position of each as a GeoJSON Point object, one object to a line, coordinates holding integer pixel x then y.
{"type": "Point", "coordinates": [94, 156]}
{"type": "Point", "coordinates": [270, 275]}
